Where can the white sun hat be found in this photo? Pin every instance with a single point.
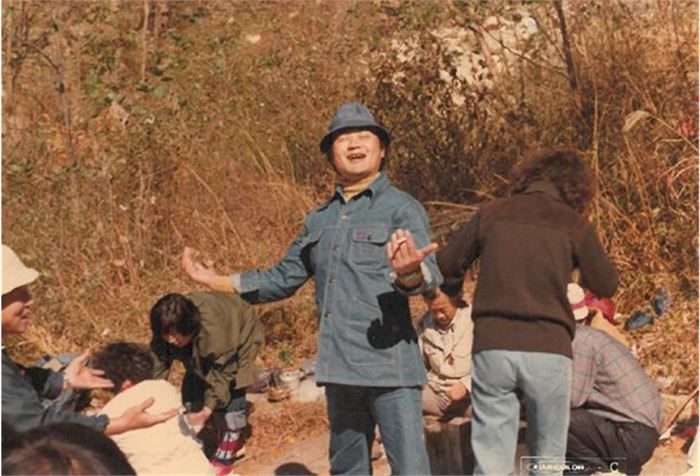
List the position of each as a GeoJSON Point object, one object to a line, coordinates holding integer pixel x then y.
{"type": "Point", "coordinates": [14, 272]}
{"type": "Point", "coordinates": [576, 297]}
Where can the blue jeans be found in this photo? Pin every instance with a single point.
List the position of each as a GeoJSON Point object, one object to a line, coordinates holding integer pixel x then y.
{"type": "Point", "coordinates": [353, 413]}
{"type": "Point", "coordinates": [545, 382]}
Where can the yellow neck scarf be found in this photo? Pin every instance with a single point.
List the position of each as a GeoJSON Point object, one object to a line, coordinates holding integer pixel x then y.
{"type": "Point", "coordinates": [353, 189]}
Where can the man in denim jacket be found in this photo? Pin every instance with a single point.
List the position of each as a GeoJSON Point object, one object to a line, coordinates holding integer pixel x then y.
{"type": "Point", "coordinates": [368, 358]}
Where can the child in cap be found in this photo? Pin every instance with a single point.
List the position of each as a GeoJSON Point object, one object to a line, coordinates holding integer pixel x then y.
{"type": "Point", "coordinates": [217, 337]}
{"type": "Point", "coordinates": [445, 335]}
{"type": "Point", "coordinates": [585, 308]}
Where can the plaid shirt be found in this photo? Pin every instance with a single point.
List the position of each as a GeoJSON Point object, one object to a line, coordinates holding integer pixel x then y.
{"type": "Point", "coordinates": [609, 382]}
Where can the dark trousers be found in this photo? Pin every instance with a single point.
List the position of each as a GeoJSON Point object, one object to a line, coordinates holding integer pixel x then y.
{"type": "Point", "coordinates": [193, 388]}
{"type": "Point", "coordinates": [599, 444]}
{"type": "Point", "coordinates": [353, 413]}
{"type": "Point", "coordinates": [232, 417]}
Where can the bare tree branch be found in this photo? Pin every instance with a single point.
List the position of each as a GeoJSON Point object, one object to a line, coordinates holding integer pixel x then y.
{"type": "Point", "coordinates": [573, 82]}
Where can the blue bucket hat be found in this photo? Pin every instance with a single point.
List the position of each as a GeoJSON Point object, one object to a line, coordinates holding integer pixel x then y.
{"type": "Point", "coordinates": [353, 115]}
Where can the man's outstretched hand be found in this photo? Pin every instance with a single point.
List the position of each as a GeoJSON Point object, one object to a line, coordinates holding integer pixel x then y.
{"type": "Point", "coordinates": [203, 275]}
{"type": "Point", "coordinates": [78, 375]}
{"type": "Point", "coordinates": [136, 417]}
{"type": "Point", "coordinates": [195, 269]}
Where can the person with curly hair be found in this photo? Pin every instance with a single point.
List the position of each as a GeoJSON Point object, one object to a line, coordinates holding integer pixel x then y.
{"type": "Point", "coordinates": [168, 448]}
{"type": "Point", "coordinates": [527, 245]}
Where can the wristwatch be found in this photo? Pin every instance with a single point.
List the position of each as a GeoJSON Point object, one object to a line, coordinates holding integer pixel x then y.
{"type": "Point", "coordinates": [413, 276]}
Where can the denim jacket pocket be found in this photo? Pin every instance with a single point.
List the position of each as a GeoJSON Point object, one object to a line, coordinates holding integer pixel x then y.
{"type": "Point", "coordinates": [367, 247]}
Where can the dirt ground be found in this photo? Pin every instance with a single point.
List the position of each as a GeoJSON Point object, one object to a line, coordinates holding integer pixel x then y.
{"type": "Point", "coordinates": [274, 450]}
{"type": "Point", "coordinates": [309, 456]}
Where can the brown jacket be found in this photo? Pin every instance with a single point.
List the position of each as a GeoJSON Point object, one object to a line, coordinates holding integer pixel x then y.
{"type": "Point", "coordinates": [528, 244]}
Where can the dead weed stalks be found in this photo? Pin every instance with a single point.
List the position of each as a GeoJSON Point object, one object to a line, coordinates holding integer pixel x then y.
{"type": "Point", "coordinates": [197, 123]}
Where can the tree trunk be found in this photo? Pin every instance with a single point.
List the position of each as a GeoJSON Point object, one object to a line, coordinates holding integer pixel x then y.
{"type": "Point", "coordinates": [570, 69]}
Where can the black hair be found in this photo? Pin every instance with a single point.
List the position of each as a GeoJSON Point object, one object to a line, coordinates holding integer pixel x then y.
{"type": "Point", "coordinates": [174, 312]}
{"type": "Point", "coordinates": [124, 361]}
{"type": "Point", "coordinates": [65, 448]}
{"type": "Point", "coordinates": [450, 291]}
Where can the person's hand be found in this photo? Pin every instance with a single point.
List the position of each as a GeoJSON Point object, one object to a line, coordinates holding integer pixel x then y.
{"type": "Point", "coordinates": [194, 269]}
{"type": "Point", "coordinates": [77, 375]}
{"type": "Point", "coordinates": [198, 419]}
{"type": "Point", "coordinates": [457, 392]}
{"type": "Point", "coordinates": [203, 275]}
{"type": "Point", "coordinates": [443, 401]}
{"type": "Point", "coordinates": [404, 257]}
{"type": "Point", "coordinates": [136, 417]}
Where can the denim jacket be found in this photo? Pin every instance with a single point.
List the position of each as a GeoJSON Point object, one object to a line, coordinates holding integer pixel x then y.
{"type": "Point", "coordinates": [366, 336]}
{"type": "Point", "coordinates": [22, 390]}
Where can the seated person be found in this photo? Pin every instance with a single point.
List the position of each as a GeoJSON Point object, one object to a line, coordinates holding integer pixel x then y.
{"type": "Point", "coordinates": [217, 337]}
{"type": "Point", "coordinates": [167, 448]}
{"type": "Point", "coordinates": [616, 412]}
{"type": "Point", "coordinates": [23, 388]}
{"type": "Point", "coordinates": [62, 448]}
{"type": "Point", "coordinates": [445, 337]}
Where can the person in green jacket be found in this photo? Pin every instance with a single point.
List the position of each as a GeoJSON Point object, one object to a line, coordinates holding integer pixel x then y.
{"type": "Point", "coordinates": [217, 337]}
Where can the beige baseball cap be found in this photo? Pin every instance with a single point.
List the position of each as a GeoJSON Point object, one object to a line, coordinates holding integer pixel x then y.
{"type": "Point", "coordinates": [14, 272]}
{"type": "Point", "coordinates": [576, 297]}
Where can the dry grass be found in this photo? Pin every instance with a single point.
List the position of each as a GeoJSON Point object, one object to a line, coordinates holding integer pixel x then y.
{"type": "Point", "coordinates": [279, 425]}
{"type": "Point", "coordinates": [214, 145]}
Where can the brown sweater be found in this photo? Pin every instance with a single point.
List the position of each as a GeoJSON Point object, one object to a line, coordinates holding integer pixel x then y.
{"type": "Point", "coordinates": [528, 245]}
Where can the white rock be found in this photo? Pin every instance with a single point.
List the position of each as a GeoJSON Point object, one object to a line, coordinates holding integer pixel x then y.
{"type": "Point", "coordinates": [308, 391]}
{"type": "Point", "coordinates": [252, 39]}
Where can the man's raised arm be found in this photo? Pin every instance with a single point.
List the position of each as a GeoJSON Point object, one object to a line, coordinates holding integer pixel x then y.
{"type": "Point", "coordinates": [203, 275]}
